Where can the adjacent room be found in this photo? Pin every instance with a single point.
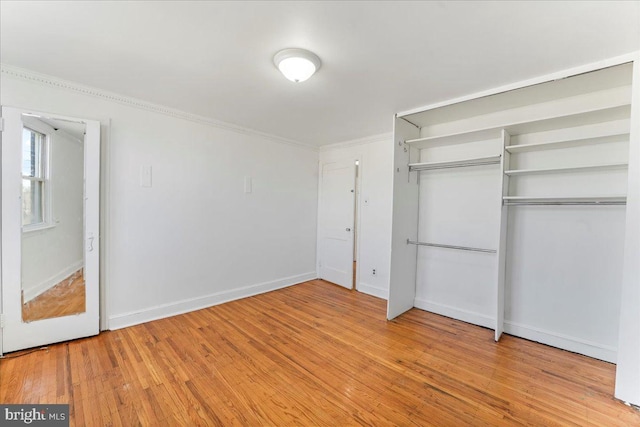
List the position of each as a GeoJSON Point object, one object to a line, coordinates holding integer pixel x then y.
{"type": "Point", "coordinates": [318, 213]}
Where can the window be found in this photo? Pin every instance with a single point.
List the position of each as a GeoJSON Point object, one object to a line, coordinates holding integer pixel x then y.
{"type": "Point", "coordinates": [35, 183]}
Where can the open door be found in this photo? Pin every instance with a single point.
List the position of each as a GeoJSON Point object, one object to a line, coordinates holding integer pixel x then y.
{"type": "Point", "coordinates": [50, 228]}
{"type": "Point", "coordinates": [336, 222]}
{"type": "Point", "coordinates": [402, 280]}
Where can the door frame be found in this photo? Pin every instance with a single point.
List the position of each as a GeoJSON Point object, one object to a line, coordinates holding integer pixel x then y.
{"type": "Point", "coordinates": [357, 221]}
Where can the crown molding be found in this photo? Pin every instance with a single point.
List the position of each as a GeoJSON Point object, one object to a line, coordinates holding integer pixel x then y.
{"type": "Point", "coordinates": [387, 136]}
{"type": "Point", "coordinates": [44, 79]}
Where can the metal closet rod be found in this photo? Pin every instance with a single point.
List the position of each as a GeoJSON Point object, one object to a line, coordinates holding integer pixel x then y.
{"type": "Point", "coordinates": [566, 203]}
{"type": "Point", "coordinates": [479, 161]}
{"type": "Point", "coordinates": [452, 166]}
{"type": "Point", "coordinates": [461, 248]}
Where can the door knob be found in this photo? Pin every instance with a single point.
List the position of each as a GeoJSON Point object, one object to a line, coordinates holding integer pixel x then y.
{"type": "Point", "coordinates": [348, 229]}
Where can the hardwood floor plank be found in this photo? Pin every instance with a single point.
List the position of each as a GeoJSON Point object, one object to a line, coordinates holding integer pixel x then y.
{"type": "Point", "coordinates": [314, 354]}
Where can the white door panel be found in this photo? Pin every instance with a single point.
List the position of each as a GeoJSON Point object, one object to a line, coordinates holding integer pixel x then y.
{"type": "Point", "coordinates": [402, 281]}
{"type": "Point", "coordinates": [336, 219]}
{"type": "Point", "coordinates": [17, 333]}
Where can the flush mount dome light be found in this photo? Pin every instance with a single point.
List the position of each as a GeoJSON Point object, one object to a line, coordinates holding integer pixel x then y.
{"type": "Point", "coordinates": [297, 65]}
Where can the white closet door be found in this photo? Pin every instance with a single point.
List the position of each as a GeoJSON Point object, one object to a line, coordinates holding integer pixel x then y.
{"type": "Point", "coordinates": [18, 333]}
{"type": "Point", "coordinates": [402, 284]}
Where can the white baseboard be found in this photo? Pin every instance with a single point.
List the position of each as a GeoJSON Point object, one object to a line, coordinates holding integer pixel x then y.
{"type": "Point", "coordinates": [455, 313]}
{"type": "Point", "coordinates": [119, 321]}
{"type": "Point", "coordinates": [32, 292]}
{"type": "Point", "coordinates": [565, 342]}
{"type": "Point", "coordinates": [373, 290]}
{"type": "Point", "coordinates": [554, 339]}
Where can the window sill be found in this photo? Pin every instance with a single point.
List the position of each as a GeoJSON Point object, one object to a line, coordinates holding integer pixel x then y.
{"type": "Point", "coordinates": [39, 227]}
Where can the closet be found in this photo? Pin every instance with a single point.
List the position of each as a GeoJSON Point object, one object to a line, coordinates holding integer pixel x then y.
{"type": "Point", "coordinates": [510, 209]}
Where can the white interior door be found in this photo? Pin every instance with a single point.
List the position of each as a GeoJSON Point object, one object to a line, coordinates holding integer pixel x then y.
{"type": "Point", "coordinates": [50, 187]}
{"type": "Point", "coordinates": [336, 218]}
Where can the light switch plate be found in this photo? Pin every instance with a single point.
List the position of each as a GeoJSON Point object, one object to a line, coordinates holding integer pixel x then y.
{"type": "Point", "coordinates": [145, 176]}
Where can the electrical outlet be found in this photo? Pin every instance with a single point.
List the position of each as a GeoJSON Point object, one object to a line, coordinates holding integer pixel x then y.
{"type": "Point", "coordinates": [374, 272]}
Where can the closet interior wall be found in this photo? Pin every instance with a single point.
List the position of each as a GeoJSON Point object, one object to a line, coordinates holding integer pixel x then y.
{"type": "Point", "coordinates": [510, 209]}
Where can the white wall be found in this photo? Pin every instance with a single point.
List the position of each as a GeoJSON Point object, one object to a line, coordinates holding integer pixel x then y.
{"type": "Point", "coordinates": [459, 207]}
{"type": "Point", "coordinates": [194, 238]}
{"type": "Point", "coordinates": [50, 255]}
{"type": "Point", "coordinates": [374, 208]}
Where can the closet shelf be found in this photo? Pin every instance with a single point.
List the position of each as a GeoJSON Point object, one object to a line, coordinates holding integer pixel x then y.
{"type": "Point", "coordinates": [566, 143]}
{"type": "Point", "coordinates": [609, 166]}
{"type": "Point", "coordinates": [476, 161]}
{"type": "Point", "coordinates": [556, 200]}
{"type": "Point", "coordinates": [457, 137]}
{"type": "Point", "coordinates": [614, 111]}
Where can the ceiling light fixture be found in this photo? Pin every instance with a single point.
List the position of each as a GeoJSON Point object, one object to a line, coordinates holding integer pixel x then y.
{"type": "Point", "coordinates": [297, 65]}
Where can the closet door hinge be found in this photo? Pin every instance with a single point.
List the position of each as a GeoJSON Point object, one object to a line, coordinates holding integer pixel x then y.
{"type": "Point", "coordinates": [1, 320]}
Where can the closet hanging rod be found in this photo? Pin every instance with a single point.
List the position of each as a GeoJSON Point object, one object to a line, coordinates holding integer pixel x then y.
{"type": "Point", "coordinates": [491, 160]}
{"type": "Point", "coordinates": [566, 203]}
{"type": "Point", "coordinates": [461, 248]}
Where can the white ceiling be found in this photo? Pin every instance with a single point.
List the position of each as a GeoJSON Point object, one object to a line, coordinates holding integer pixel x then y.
{"type": "Point", "coordinates": [215, 58]}
{"type": "Point", "coordinates": [75, 129]}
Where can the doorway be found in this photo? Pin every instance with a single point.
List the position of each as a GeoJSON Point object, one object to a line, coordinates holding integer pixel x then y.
{"type": "Point", "coordinates": [337, 222]}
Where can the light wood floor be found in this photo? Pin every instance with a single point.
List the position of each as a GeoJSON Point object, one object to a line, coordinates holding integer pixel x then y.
{"type": "Point", "coordinates": [314, 354]}
{"type": "Point", "coordinates": [65, 298]}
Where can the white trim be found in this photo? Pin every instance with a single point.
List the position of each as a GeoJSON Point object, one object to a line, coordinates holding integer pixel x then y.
{"type": "Point", "coordinates": [554, 339]}
{"type": "Point", "coordinates": [318, 230]}
{"type": "Point", "coordinates": [456, 313]}
{"type": "Point", "coordinates": [161, 311]}
{"type": "Point", "coordinates": [373, 290]}
{"type": "Point", "coordinates": [21, 73]}
{"type": "Point", "coordinates": [105, 221]}
{"type": "Point", "coordinates": [565, 342]}
{"type": "Point", "coordinates": [40, 288]}
{"type": "Point", "coordinates": [610, 62]}
{"type": "Point", "coordinates": [388, 136]}
{"type": "Point", "coordinates": [357, 217]}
